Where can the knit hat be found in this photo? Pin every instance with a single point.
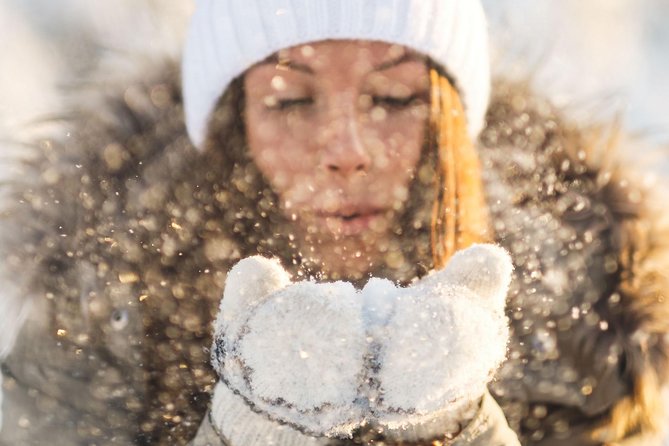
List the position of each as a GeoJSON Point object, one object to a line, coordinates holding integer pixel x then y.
{"type": "Point", "coordinates": [226, 37]}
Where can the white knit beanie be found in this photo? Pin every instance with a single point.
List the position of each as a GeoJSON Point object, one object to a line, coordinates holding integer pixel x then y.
{"type": "Point", "coordinates": [228, 36]}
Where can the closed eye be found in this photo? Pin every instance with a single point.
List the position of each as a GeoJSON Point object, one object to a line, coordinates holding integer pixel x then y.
{"type": "Point", "coordinates": [396, 102]}
{"type": "Point", "coordinates": [289, 103]}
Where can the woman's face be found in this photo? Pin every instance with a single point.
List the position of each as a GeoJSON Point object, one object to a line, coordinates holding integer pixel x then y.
{"type": "Point", "coordinates": [337, 128]}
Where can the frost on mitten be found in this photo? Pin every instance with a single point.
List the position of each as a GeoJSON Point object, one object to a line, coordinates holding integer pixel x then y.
{"type": "Point", "coordinates": [445, 338]}
{"type": "Point", "coordinates": [327, 359]}
{"type": "Point", "coordinates": [293, 351]}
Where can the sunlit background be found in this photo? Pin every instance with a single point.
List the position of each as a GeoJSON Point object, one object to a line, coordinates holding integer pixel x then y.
{"type": "Point", "coordinates": [610, 54]}
{"type": "Point", "coordinates": [602, 58]}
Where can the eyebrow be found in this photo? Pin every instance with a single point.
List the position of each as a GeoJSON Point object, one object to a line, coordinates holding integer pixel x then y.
{"type": "Point", "coordinates": [406, 57]}
{"type": "Point", "coordinates": [289, 64]}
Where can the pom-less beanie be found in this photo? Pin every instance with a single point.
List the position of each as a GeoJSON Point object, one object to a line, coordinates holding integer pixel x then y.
{"type": "Point", "coordinates": [226, 37]}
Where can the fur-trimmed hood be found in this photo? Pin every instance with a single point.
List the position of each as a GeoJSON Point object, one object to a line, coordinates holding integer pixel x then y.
{"type": "Point", "coordinates": [120, 236]}
{"type": "Point", "coordinates": [590, 245]}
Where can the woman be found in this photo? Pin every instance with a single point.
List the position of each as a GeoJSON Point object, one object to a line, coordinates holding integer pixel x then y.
{"type": "Point", "coordinates": [337, 136]}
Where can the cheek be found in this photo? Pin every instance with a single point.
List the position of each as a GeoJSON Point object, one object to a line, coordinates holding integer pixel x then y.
{"type": "Point", "coordinates": [282, 156]}
{"type": "Point", "coordinates": [397, 146]}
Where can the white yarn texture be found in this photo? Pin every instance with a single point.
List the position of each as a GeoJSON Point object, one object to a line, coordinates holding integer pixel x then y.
{"type": "Point", "coordinates": [326, 358]}
{"type": "Point", "coordinates": [228, 36]}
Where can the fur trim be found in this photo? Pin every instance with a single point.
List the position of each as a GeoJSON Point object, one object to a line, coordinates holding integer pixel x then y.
{"type": "Point", "coordinates": [643, 234]}
{"type": "Point", "coordinates": [580, 179]}
{"type": "Point", "coordinates": [638, 303]}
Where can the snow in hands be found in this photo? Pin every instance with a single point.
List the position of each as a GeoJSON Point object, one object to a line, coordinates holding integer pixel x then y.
{"type": "Point", "coordinates": [326, 358]}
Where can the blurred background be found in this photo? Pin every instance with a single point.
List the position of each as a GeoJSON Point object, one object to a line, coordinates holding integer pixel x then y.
{"type": "Point", "coordinates": [602, 58]}
{"type": "Point", "coordinates": [594, 50]}
{"type": "Point", "coordinates": [605, 55]}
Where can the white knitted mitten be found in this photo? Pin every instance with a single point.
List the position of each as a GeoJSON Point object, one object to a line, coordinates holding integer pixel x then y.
{"type": "Point", "coordinates": [294, 351]}
{"type": "Point", "coordinates": [328, 359]}
{"type": "Point", "coordinates": [444, 339]}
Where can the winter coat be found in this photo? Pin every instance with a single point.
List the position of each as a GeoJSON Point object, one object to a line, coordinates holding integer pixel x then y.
{"type": "Point", "coordinates": [119, 235]}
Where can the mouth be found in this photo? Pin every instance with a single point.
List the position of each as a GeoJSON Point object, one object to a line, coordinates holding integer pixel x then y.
{"type": "Point", "coordinates": [353, 216]}
{"type": "Point", "coordinates": [351, 221]}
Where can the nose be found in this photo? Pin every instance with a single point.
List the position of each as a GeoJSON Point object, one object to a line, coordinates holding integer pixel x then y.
{"type": "Point", "coordinates": [344, 151]}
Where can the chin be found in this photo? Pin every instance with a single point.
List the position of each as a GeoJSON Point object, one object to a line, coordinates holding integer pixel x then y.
{"type": "Point", "coordinates": [353, 256]}
{"type": "Point", "coordinates": [343, 258]}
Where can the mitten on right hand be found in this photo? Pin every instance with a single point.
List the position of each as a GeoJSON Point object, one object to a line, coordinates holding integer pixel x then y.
{"type": "Point", "coordinates": [294, 351]}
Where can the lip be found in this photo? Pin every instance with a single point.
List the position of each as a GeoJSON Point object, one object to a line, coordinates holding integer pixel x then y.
{"type": "Point", "coordinates": [350, 220]}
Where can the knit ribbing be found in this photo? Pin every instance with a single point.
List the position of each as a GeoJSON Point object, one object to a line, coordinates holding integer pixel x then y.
{"type": "Point", "coordinates": [239, 425]}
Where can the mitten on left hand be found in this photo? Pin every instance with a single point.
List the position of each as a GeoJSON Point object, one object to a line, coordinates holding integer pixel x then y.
{"type": "Point", "coordinates": [442, 340]}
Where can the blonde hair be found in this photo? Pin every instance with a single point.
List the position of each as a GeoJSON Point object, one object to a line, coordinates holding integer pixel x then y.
{"type": "Point", "coordinates": [459, 214]}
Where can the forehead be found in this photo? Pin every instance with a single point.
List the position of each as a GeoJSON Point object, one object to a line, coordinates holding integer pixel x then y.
{"type": "Point", "coordinates": [356, 55]}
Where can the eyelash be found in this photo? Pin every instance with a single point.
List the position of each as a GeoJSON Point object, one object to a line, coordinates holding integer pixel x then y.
{"type": "Point", "coordinates": [391, 102]}
{"type": "Point", "coordinates": [287, 104]}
